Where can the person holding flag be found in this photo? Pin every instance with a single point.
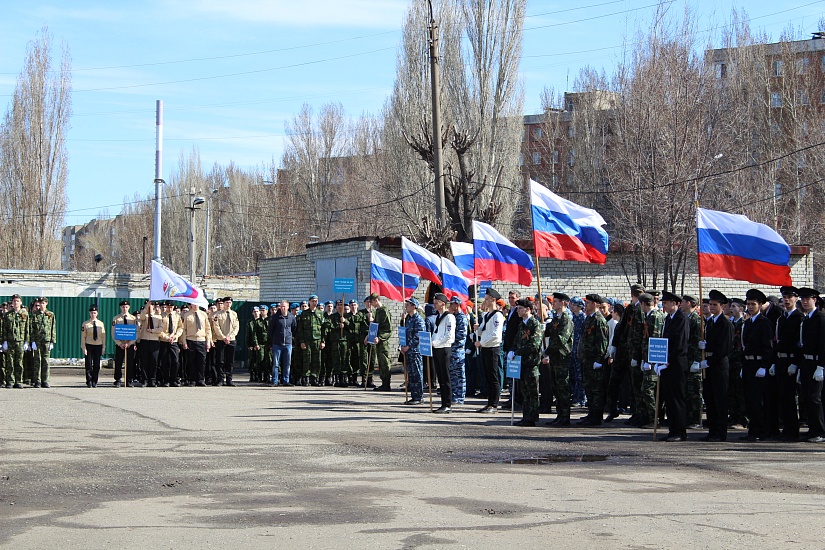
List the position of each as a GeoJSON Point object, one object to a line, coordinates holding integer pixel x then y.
{"type": "Point", "coordinates": [413, 324]}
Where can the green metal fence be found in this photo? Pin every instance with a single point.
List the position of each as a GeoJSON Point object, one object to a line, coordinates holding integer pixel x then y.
{"type": "Point", "coordinates": [72, 312]}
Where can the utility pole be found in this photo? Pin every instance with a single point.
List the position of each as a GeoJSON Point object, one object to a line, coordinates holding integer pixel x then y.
{"type": "Point", "coordinates": [435, 84]}
{"type": "Point", "coordinates": [158, 174]}
{"type": "Point", "coordinates": [193, 202]}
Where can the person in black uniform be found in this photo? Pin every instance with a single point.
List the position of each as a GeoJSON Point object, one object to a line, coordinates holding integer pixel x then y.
{"type": "Point", "coordinates": [718, 344]}
{"type": "Point", "coordinates": [757, 350]}
{"type": "Point", "coordinates": [812, 344]}
{"type": "Point", "coordinates": [672, 376]}
{"type": "Point", "coordinates": [787, 358]}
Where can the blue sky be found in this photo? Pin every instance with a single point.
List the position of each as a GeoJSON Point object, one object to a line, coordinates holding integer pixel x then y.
{"type": "Point", "coordinates": [231, 73]}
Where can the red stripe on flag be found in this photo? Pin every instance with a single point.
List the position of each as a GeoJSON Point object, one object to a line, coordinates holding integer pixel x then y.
{"type": "Point", "coordinates": [383, 288]}
{"type": "Point", "coordinates": [491, 270]}
{"type": "Point", "coordinates": [743, 269]}
{"type": "Point", "coordinates": [566, 247]}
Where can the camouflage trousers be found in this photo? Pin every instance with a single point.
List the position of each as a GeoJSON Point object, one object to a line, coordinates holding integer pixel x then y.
{"type": "Point", "coordinates": [339, 358]}
{"type": "Point", "coordinates": [40, 369]}
{"type": "Point", "coordinates": [367, 360]}
{"type": "Point", "coordinates": [529, 385]}
{"type": "Point", "coordinates": [560, 382]}
{"type": "Point", "coordinates": [14, 363]}
{"type": "Point", "coordinates": [327, 362]}
{"type": "Point", "coordinates": [383, 359]}
{"type": "Point", "coordinates": [648, 395]}
{"type": "Point", "coordinates": [593, 390]}
{"type": "Point", "coordinates": [354, 351]}
{"type": "Point", "coordinates": [458, 380]}
{"type": "Point", "coordinates": [311, 359]}
{"type": "Point", "coordinates": [255, 360]}
{"type": "Point", "coordinates": [693, 398]}
{"type": "Point", "coordinates": [415, 374]}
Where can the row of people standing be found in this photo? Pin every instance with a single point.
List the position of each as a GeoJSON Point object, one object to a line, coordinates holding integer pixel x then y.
{"type": "Point", "coordinates": [28, 337]}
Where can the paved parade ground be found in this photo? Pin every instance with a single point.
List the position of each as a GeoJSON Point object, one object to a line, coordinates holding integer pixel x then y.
{"type": "Point", "coordinates": [260, 467]}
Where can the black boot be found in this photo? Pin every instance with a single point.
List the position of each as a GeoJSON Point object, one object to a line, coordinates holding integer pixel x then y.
{"type": "Point", "coordinates": [229, 381]}
{"type": "Point", "coordinates": [353, 380]}
{"type": "Point", "coordinates": [369, 383]}
{"type": "Point", "coordinates": [314, 382]}
{"type": "Point", "coordinates": [328, 381]}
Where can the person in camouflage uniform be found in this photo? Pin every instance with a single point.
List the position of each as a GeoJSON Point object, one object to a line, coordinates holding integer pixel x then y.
{"type": "Point", "coordinates": [266, 342]}
{"type": "Point", "coordinates": [15, 341]}
{"type": "Point", "coordinates": [296, 362]}
{"type": "Point", "coordinates": [623, 351]}
{"type": "Point", "coordinates": [693, 393]}
{"type": "Point", "coordinates": [592, 351]}
{"type": "Point", "coordinates": [381, 316]}
{"type": "Point", "coordinates": [527, 345]}
{"type": "Point", "coordinates": [355, 343]}
{"type": "Point", "coordinates": [326, 374]}
{"type": "Point", "coordinates": [558, 338]}
{"type": "Point", "coordinates": [253, 346]}
{"type": "Point", "coordinates": [458, 379]}
{"type": "Point", "coordinates": [43, 335]}
{"type": "Point", "coordinates": [367, 366]}
{"type": "Point", "coordinates": [28, 355]}
{"type": "Point", "coordinates": [311, 337]}
{"type": "Point", "coordinates": [736, 392]}
{"type": "Point", "coordinates": [413, 323]}
{"type": "Point", "coordinates": [337, 326]}
{"type": "Point", "coordinates": [576, 387]}
{"type": "Point", "coordinates": [650, 326]}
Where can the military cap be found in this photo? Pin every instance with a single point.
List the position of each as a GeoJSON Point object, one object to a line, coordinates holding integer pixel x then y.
{"type": "Point", "coordinates": [124, 303]}
{"type": "Point", "coordinates": [256, 308]}
{"type": "Point", "coordinates": [690, 298]}
{"type": "Point", "coordinates": [524, 302]}
{"type": "Point", "coordinates": [671, 297]}
{"type": "Point", "coordinates": [561, 296]}
{"type": "Point", "coordinates": [441, 297]}
{"type": "Point", "coordinates": [756, 295]}
{"type": "Point", "coordinates": [312, 297]}
{"type": "Point", "coordinates": [353, 302]}
{"type": "Point", "coordinates": [372, 296]}
{"type": "Point", "coordinates": [4, 304]}
{"type": "Point", "coordinates": [227, 298]}
{"type": "Point", "coordinates": [13, 296]}
{"type": "Point", "coordinates": [294, 305]}
{"type": "Point", "coordinates": [412, 301]}
{"type": "Point", "coordinates": [654, 293]}
{"type": "Point", "coordinates": [456, 300]}
{"type": "Point", "coordinates": [637, 288]}
{"type": "Point", "coordinates": [493, 292]}
{"type": "Point", "coordinates": [594, 298]}
{"type": "Point", "coordinates": [789, 290]}
{"type": "Point", "coordinates": [705, 300]}
{"type": "Point", "coordinates": [646, 298]}
{"type": "Point", "coordinates": [807, 292]}
{"type": "Point", "coordinates": [273, 306]}
{"type": "Point", "coordinates": [328, 303]}
{"type": "Point", "coordinates": [210, 304]}
{"type": "Point", "coordinates": [738, 301]}
{"type": "Point", "coordinates": [218, 300]}
{"type": "Point", "coordinates": [339, 302]}
{"type": "Point", "coordinates": [577, 301]}
{"type": "Point", "coordinates": [44, 299]}
{"type": "Point", "coordinates": [93, 307]}
{"type": "Point", "coordinates": [717, 296]}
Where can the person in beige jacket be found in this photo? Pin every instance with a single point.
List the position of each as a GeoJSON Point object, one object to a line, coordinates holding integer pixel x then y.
{"type": "Point", "coordinates": [197, 335]}
{"type": "Point", "coordinates": [225, 329]}
{"type": "Point", "coordinates": [151, 324]}
{"type": "Point", "coordinates": [169, 350]}
{"type": "Point", "coordinates": [93, 344]}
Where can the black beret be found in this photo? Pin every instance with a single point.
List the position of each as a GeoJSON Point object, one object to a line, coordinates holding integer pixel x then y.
{"type": "Point", "coordinates": [690, 298]}
{"type": "Point", "coordinates": [670, 297]}
{"type": "Point", "coordinates": [441, 297]}
{"type": "Point", "coordinates": [594, 298]}
{"type": "Point", "coordinates": [124, 303]}
{"type": "Point", "coordinates": [717, 296]}
{"type": "Point", "coordinates": [646, 298]}
{"type": "Point", "coordinates": [93, 307]}
{"type": "Point", "coordinates": [524, 302]}
{"type": "Point", "coordinates": [494, 293]}
{"type": "Point", "coordinates": [561, 296]}
{"type": "Point", "coordinates": [756, 295]}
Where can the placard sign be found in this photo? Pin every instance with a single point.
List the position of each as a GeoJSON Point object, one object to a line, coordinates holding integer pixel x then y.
{"type": "Point", "coordinates": [514, 368]}
{"type": "Point", "coordinates": [425, 343]}
{"type": "Point", "coordinates": [343, 286]}
{"type": "Point", "coordinates": [373, 333]}
{"type": "Point", "coordinates": [657, 350]}
{"type": "Point", "coordinates": [125, 332]}
{"type": "Point", "coordinates": [402, 336]}
{"type": "Point", "coordinates": [484, 285]}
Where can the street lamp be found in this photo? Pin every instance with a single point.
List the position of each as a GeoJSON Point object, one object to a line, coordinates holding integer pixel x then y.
{"type": "Point", "coordinates": [193, 202]}
{"type": "Point", "coordinates": [206, 239]}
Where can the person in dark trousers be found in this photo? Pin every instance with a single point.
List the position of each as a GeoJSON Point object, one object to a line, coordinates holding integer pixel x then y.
{"type": "Point", "coordinates": [442, 341]}
{"type": "Point", "coordinates": [672, 376]}
{"type": "Point", "coordinates": [810, 374]}
{"type": "Point", "coordinates": [757, 350]}
{"type": "Point", "coordinates": [787, 358]}
{"type": "Point", "coordinates": [717, 346]}
{"type": "Point", "coordinates": [281, 329]}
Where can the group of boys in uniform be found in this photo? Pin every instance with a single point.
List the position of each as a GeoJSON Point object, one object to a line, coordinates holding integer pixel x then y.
{"type": "Point", "coordinates": [28, 336]}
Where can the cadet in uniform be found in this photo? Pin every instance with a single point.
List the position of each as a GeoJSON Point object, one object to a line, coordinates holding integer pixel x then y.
{"type": "Point", "coordinates": [311, 338]}
{"type": "Point", "coordinates": [43, 335]}
{"type": "Point", "coordinates": [811, 373]}
{"type": "Point", "coordinates": [736, 397]}
{"type": "Point", "coordinates": [169, 350]}
{"type": "Point", "coordinates": [442, 341]}
{"type": "Point", "coordinates": [757, 350]}
{"type": "Point", "coordinates": [650, 325]}
{"type": "Point", "coordinates": [124, 349]}
{"type": "Point", "coordinates": [326, 372]}
{"type": "Point", "coordinates": [225, 329]}
{"type": "Point", "coordinates": [489, 336]}
{"type": "Point", "coordinates": [151, 326]}
{"type": "Point", "coordinates": [15, 341]}
{"type": "Point", "coordinates": [718, 346]}
{"type": "Point", "coordinates": [265, 342]}
{"type": "Point", "coordinates": [622, 354]}
{"type": "Point", "coordinates": [93, 344]}
{"type": "Point", "coordinates": [337, 326]}
{"type": "Point", "coordinates": [413, 324]}
{"type": "Point", "coordinates": [786, 362]}
{"type": "Point", "coordinates": [592, 351]}
{"type": "Point", "coordinates": [558, 343]}
{"type": "Point", "coordinates": [254, 349]}
{"type": "Point", "coordinates": [367, 351]}
{"type": "Point", "coordinates": [672, 374]}
{"type": "Point", "coordinates": [197, 333]}
{"type": "Point", "coordinates": [693, 387]}
{"type": "Point", "coordinates": [381, 315]}
{"type": "Point", "coordinates": [458, 379]}
{"type": "Point", "coordinates": [527, 345]}
{"type": "Point", "coordinates": [355, 342]}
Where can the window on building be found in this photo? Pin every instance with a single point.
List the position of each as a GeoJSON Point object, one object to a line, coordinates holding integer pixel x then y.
{"type": "Point", "coordinates": [571, 131]}
{"type": "Point", "coordinates": [571, 158]}
{"type": "Point", "coordinates": [537, 133]}
{"type": "Point", "coordinates": [570, 105]}
{"type": "Point", "coordinates": [776, 68]}
{"type": "Point", "coordinates": [523, 134]}
{"type": "Point", "coordinates": [555, 157]}
{"type": "Point", "coordinates": [536, 158]}
{"type": "Point", "coordinates": [822, 97]}
{"type": "Point", "coordinates": [822, 63]}
{"type": "Point", "coordinates": [521, 159]}
{"type": "Point", "coordinates": [721, 70]}
{"type": "Point", "coordinates": [802, 65]}
{"type": "Point", "coordinates": [801, 97]}
{"type": "Point", "coordinates": [776, 99]}
{"type": "Point", "coordinates": [777, 190]}
{"type": "Point", "coordinates": [520, 207]}
{"type": "Point", "coordinates": [555, 180]}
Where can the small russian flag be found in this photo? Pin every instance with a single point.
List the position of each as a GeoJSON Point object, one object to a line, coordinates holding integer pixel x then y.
{"type": "Point", "coordinates": [386, 275]}
{"type": "Point", "coordinates": [417, 260]}
{"type": "Point", "coordinates": [498, 259]}
{"type": "Point", "coordinates": [455, 284]}
{"type": "Point", "coordinates": [464, 258]}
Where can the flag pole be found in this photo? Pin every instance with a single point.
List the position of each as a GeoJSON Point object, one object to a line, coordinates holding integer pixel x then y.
{"type": "Point", "coordinates": [699, 272]}
{"type": "Point", "coordinates": [536, 256]}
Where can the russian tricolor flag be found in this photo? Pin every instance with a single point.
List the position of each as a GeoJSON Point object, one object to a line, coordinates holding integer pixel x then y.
{"type": "Point", "coordinates": [386, 276]}
{"type": "Point", "coordinates": [455, 284]}
{"type": "Point", "coordinates": [417, 260]}
{"type": "Point", "coordinates": [498, 259]}
{"type": "Point", "coordinates": [733, 247]}
{"type": "Point", "coordinates": [565, 230]}
{"type": "Point", "coordinates": [464, 259]}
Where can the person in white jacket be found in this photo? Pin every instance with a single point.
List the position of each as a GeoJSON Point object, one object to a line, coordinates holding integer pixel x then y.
{"type": "Point", "coordinates": [488, 340]}
{"type": "Point", "coordinates": [442, 341]}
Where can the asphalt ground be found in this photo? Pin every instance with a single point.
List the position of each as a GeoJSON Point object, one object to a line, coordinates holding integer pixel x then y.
{"type": "Point", "coordinates": [260, 467]}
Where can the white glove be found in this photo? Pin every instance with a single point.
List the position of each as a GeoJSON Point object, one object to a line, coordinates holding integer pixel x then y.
{"type": "Point", "coordinates": [597, 366]}
{"type": "Point", "coordinates": [819, 374]}
{"type": "Point", "coordinates": [510, 355]}
{"type": "Point", "coordinates": [702, 344]}
{"type": "Point", "coordinates": [646, 366]}
{"type": "Point", "coordinates": [468, 351]}
{"type": "Point", "coordinates": [740, 373]}
{"type": "Point", "coordinates": [704, 364]}
{"type": "Point", "coordinates": [772, 370]}
{"type": "Point", "coordinates": [791, 369]}
{"type": "Point", "coordinates": [611, 351]}
{"type": "Point", "coordinates": [634, 363]}
{"type": "Point", "coordinates": [694, 367]}
{"type": "Point", "coordinates": [5, 346]}
{"type": "Point", "coordinates": [25, 346]}
{"type": "Point", "coordinates": [659, 369]}
{"type": "Point", "coordinates": [34, 346]}
{"type": "Point", "coordinates": [760, 373]}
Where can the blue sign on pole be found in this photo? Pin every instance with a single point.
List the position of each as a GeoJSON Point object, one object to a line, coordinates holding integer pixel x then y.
{"type": "Point", "coordinates": [373, 333]}
{"type": "Point", "coordinates": [343, 286]}
{"type": "Point", "coordinates": [402, 336]}
{"type": "Point", "coordinates": [657, 350]}
{"type": "Point", "coordinates": [484, 285]}
{"type": "Point", "coordinates": [425, 343]}
{"type": "Point", "coordinates": [125, 332]}
{"type": "Point", "coordinates": [514, 368]}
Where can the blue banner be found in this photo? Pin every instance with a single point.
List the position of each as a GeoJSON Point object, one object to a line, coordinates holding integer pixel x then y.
{"type": "Point", "coordinates": [125, 332]}
{"type": "Point", "coordinates": [373, 333]}
{"type": "Point", "coordinates": [425, 344]}
{"type": "Point", "coordinates": [343, 286]}
{"type": "Point", "coordinates": [402, 336]}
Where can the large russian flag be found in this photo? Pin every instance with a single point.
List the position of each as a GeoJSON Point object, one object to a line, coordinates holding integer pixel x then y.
{"type": "Point", "coordinates": [733, 247]}
{"type": "Point", "coordinates": [455, 284]}
{"type": "Point", "coordinates": [565, 230]}
{"type": "Point", "coordinates": [498, 259]}
{"type": "Point", "coordinates": [464, 258]}
{"type": "Point", "coordinates": [385, 278]}
{"type": "Point", "coordinates": [417, 260]}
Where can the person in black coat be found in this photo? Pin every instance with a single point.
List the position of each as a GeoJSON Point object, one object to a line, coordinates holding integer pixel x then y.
{"type": "Point", "coordinates": [812, 344]}
{"type": "Point", "coordinates": [718, 345]}
{"type": "Point", "coordinates": [787, 358]}
{"type": "Point", "coordinates": [673, 376]}
{"type": "Point", "coordinates": [757, 350]}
